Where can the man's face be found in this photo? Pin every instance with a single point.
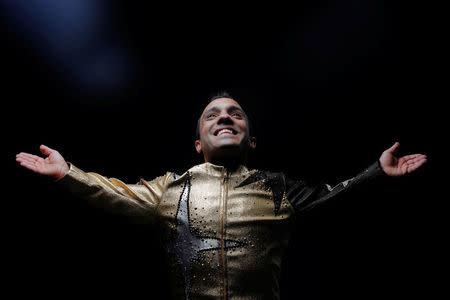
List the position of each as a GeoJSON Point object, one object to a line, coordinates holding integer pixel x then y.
{"type": "Point", "coordinates": [223, 130]}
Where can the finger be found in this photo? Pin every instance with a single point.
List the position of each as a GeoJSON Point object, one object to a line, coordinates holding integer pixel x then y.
{"type": "Point", "coordinates": [46, 150]}
{"type": "Point", "coordinates": [420, 161]}
{"type": "Point", "coordinates": [411, 156]}
{"type": "Point", "coordinates": [415, 166]}
{"type": "Point", "coordinates": [26, 159]}
{"type": "Point", "coordinates": [30, 167]}
{"type": "Point", "coordinates": [414, 157]}
{"type": "Point", "coordinates": [29, 156]}
{"type": "Point", "coordinates": [415, 161]}
{"type": "Point", "coordinates": [25, 154]}
{"type": "Point", "coordinates": [394, 148]}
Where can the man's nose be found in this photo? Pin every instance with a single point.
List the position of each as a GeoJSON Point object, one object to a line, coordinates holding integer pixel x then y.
{"type": "Point", "coordinates": [225, 118]}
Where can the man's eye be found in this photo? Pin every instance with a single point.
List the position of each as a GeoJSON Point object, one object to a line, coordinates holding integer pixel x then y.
{"type": "Point", "coordinates": [237, 115]}
{"type": "Point", "coordinates": [211, 116]}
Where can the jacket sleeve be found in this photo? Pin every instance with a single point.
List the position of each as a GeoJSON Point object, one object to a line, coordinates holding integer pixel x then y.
{"type": "Point", "coordinates": [304, 197]}
{"type": "Point", "coordinates": [114, 196]}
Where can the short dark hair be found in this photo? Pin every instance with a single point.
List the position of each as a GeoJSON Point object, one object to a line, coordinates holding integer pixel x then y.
{"type": "Point", "coordinates": [222, 94]}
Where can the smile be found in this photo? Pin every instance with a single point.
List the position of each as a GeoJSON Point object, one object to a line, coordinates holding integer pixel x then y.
{"type": "Point", "coordinates": [225, 131]}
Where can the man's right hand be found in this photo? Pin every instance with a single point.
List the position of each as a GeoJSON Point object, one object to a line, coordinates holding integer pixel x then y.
{"type": "Point", "coordinates": [53, 165]}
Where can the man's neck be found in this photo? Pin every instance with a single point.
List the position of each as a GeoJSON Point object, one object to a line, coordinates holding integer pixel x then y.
{"type": "Point", "coordinates": [230, 163]}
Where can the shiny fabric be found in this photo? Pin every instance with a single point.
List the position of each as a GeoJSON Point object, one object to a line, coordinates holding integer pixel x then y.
{"type": "Point", "coordinates": [225, 232]}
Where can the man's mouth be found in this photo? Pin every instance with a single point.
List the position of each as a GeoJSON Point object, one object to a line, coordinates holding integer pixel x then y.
{"type": "Point", "coordinates": [225, 131]}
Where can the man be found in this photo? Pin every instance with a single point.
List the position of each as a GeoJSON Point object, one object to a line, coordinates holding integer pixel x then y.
{"type": "Point", "coordinates": [224, 227]}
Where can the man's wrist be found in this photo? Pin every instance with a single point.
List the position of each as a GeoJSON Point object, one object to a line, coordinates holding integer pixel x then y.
{"type": "Point", "coordinates": [64, 170]}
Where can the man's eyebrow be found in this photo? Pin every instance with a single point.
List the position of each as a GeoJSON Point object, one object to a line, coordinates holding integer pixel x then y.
{"type": "Point", "coordinates": [234, 107]}
{"type": "Point", "coordinates": [230, 108]}
{"type": "Point", "coordinates": [214, 108]}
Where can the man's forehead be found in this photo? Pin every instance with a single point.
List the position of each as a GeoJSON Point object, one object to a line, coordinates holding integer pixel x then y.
{"type": "Point", "coordinates": [222, 103]}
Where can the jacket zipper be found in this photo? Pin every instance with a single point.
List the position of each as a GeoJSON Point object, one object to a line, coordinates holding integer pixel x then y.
{"type": "Point", "coordinates": [222, 239]}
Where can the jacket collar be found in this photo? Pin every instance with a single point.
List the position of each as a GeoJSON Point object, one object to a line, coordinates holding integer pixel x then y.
{"type": "Point", "coordinates": [216, 170]}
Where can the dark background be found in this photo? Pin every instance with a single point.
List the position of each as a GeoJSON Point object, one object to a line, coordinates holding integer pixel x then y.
{"type": "Point", "coordinates": [330, 86]}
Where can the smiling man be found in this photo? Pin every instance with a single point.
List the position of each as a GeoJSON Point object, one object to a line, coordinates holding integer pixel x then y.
{"type": "Point", "coordinates": [223, 133]}
{"type": "Point", "coordinates": [225, 227]}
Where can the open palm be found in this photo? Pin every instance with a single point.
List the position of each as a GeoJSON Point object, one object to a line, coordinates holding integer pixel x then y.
{"type": "Point", "coordinates": [398, 166]}
{"type": "Point", "coordinates": [53, 165]}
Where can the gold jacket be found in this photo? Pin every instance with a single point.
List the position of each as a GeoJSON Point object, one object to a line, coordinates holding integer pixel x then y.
{"type": "Point", "coordinates": [225, 232]}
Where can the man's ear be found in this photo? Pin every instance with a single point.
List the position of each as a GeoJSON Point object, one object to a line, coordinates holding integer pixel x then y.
{"type": "Point", "coordinates": [198, 146]}
{"type": "Point", "coordinates": [252, 142]}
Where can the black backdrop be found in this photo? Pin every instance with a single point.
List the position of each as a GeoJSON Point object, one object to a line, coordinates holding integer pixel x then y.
{"type": "Point", "coordinates": [330, 85]}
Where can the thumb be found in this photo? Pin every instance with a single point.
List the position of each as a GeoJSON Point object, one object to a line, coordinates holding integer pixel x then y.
{"type": "Point", "coordinates": [394, 148]}
{"type": "Point", "coordinates": [46, 150]}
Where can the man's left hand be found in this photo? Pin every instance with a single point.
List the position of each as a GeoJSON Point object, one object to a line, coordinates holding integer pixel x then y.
{"type": "Point", "coordinates": [399, 166]}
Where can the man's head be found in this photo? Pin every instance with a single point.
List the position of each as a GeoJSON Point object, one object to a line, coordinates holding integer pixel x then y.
{"type": "Point", "coordinates": [223, 132]}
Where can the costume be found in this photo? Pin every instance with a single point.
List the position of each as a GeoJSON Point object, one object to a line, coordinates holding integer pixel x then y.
{"type": "Point", "coordinates": [225, 232]}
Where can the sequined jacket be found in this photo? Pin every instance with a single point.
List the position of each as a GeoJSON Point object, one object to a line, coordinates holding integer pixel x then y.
{"type": "Point", "coordinates": [225, 232]}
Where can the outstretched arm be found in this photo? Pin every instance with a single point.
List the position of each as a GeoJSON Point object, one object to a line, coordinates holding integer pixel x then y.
{"type": "Point", "coordinates": [110, 194]}
{"type": "Point", "coordinates": [398, 166]}
{"type": "Point", "coordinates": [304, 197]}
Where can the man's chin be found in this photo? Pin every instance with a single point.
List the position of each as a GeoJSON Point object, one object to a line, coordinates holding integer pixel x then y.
{"type": "Point", "coordinates": [225, 147]}
{"type": "Point", "coordinates": [226, 143]}
{"type": "Point", "coordinates": [230, 149]}
{"type": "Point", "coordinates": [229, 146]}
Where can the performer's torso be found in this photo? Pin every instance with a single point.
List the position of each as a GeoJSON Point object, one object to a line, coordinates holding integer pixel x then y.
{"type": "Point", "coordinates": [225, 232]}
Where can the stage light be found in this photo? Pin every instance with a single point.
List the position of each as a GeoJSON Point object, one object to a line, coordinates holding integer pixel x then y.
{"type": "Point", "coordinates": [75, 37]}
